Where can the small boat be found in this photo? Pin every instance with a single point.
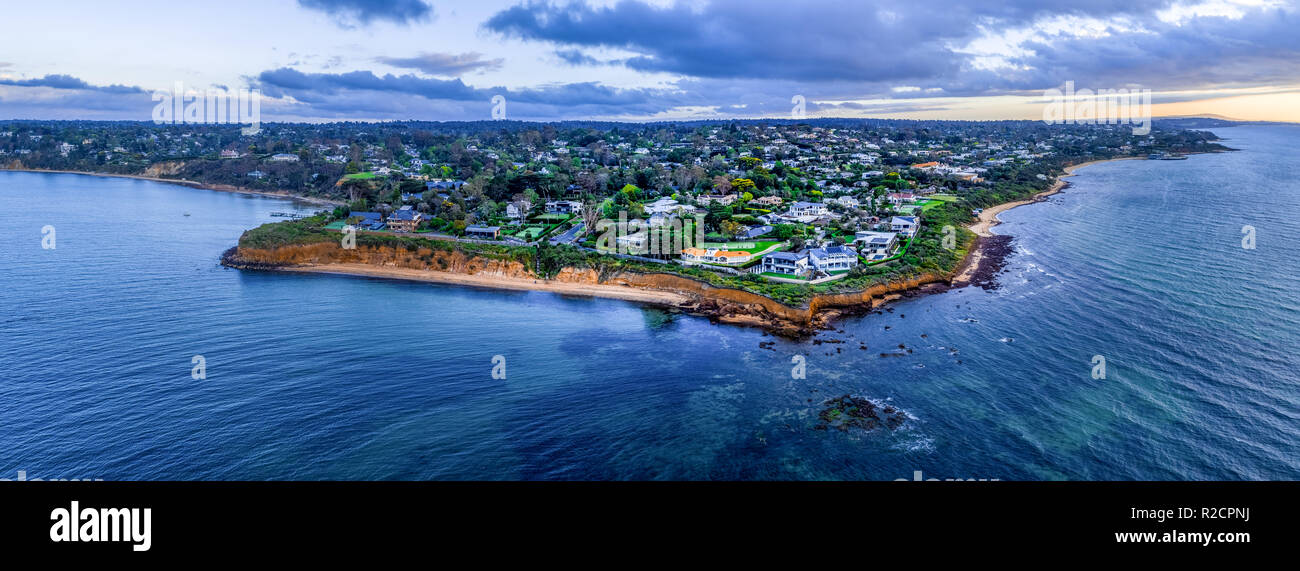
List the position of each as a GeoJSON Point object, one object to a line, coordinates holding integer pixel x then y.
{"type": "Point", "coordinates": [187, 213]}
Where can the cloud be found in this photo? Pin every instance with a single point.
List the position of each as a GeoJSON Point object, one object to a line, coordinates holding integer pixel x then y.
{"type": "Point", "coordinates": [872, 45]}
{"type": "Point", "coordinates": [367, 11]}
{"type": "Point", "coordinates": [59, 81]}
{"type": "Point", "coordinates": [365, 93]}
{"type": "Point", "coordinates": [580, 58]}
{"type": "Point", "coordinates": [450, 65]}
{"type": "Point", "coordinates": [813, 40]}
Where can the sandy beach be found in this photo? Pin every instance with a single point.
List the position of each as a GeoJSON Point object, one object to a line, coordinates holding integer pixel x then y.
{"type": "Point", "coordinates": [193, 184]}
{"type": "Point", "coordinates": [627, 293]}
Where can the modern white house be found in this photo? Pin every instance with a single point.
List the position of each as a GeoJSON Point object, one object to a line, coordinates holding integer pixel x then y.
{"type": "Point", "coordinates": [876, 245]}
{"type": "Point", "coordinates": [788, 263]}
{"type": "Point", "coordinates": [905, 225]}
{"type": "Point", "coordinates": [832, 258]}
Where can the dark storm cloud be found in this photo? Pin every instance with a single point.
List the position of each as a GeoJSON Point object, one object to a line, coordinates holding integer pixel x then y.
{"type": "Point", "coordinates": [367, 11]}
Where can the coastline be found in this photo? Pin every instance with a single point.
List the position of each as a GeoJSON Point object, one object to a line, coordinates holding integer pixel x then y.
{"type": "Point", "coordinates": [988, 252]}
{"type": "Point", "coordinates": [192, 184]}
{"type": "Point", "coordinates": [621, 292]}
{"type": "Point", "coordinates": [988, 218]}
{"type": "Point", "coordinates": [983, 261]}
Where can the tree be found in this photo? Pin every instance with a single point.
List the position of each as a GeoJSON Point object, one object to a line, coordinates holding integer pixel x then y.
{"type": "Point", "coordinates": [730, 227]}
{"type": "Point", "coordinates": [591, 213]}
{"type": "Point", "coordinates": [742, 185]}
{"type": "Point", "coordinates": [721, 184]}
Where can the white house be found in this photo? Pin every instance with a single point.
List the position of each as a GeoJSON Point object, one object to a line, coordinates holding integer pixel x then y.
{"type": "Point", "coordinates": [788, 263]}
{"type": "Point", "coordinates": [905, 225]}
{"type": "Point", "coordinates": [876, 245]}
{"type": "Point", "coordinates": [832, 258]}
{"type": "Point", "coordinates": [807, 209]}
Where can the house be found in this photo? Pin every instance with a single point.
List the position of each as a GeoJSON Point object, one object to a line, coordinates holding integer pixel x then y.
{"type": "Point", "coordinates": [724, 200]}
{"type": "Point", "coordinates": [754, 232]}
{"type": "Point", "coordinates": [905, 225]}
{"type": "Point", "coordinates": [799, 209]}
{"type": "Point", "coordinates": [564, 207]}
{"type": "Point", "coordinates": [406, 219]}
{"type": "Point", "coordinates": [369, 220]}
{"type": "Point", "coordinates": [899, 198]}
{"type": "Point", "coordinates": [444, 184]}
{"type": "Point", "coordinates": [832, 258]}
{"type": "Point", "coordinates": [229, 154]}
{"type": "Point", "coordinates": [875, 245]}
{"type": "Point", "coordinates": [284, 158]}
{"type": "Point", "coordinates": [788, 263]}
{"type": "Point", "coordinates": [923, 166]}
{"type": "Point", "coordinates": [662, 206]}
{"type": "Point", "coordinates": [412, 196]}
{"type": "Point", "coordinates": [846, 201]}
{"type": "Point", "coordinates": [635, 243]}
{"type": "Point", "coordinates": [483, 232]}
{"type": "Point", "coordinates": [767, 201]}
{"type": "Point", "coordinates": [518, 210]}
{"type": "Point", "coordinates": [715, 256]}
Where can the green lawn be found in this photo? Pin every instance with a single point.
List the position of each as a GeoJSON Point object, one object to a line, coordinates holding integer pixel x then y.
{"type": "Point", "coordinates": [751, 247]}
{"type": "Point", "coordinates": [786, 276]}
{"type": "Point", "coordinates": [359, 176]}
{"type": "Point", "coordinates": [553, 217]}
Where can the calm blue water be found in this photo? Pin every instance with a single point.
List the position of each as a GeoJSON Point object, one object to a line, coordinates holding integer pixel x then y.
{"type": "Point", "coordinates": [328, 377]}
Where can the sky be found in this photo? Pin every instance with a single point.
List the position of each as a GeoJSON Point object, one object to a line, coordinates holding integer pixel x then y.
{"type": "Point", "coordinates": [647, 60]}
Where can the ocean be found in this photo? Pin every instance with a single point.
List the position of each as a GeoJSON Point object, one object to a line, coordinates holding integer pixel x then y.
{"type": "Point", "coordinates": [322, 377]}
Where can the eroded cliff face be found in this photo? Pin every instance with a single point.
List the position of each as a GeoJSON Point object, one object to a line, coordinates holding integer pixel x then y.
{"type": "Point", "coordinates": [724, 304]}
